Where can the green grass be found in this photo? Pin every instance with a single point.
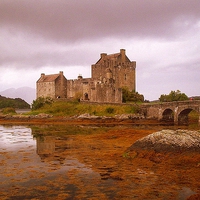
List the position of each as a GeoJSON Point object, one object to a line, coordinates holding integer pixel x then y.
{"type": "Point", "coordinates": [59, 108]}
{"type": "Point", "coordinates": [8, 110]}
{"type": "Point", "coordinates": [193, 119]}
{"type": "Point", "coordinates": [193, 115]}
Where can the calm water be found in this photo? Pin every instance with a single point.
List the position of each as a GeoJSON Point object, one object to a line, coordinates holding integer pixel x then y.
{"type": "Point", "coordinates": [48, 162]}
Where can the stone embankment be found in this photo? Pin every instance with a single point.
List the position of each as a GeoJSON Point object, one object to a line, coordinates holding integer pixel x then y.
{"type": "Point", "coordinates": [83, 118]}
{"type": "Point", "coordinates": [123, 116]}
{"type": "Point", "coordinates": [20, 116]}
{"type": "Point", "coordinates": [169, 140]}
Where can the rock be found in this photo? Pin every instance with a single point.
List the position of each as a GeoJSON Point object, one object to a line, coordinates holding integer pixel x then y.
{"type": "Point", "coordinates": [169, 140]}
{"type": "Point", "coordinates": [84, 116]}
{"type": "Point", "coordinates": [130, 116]}
{"type": "Point", "coordinates": [41, 116]}
{"type": "Point", "coordinates": [87, 116]}
{"type": "Point", "coordinates": [2, 116]}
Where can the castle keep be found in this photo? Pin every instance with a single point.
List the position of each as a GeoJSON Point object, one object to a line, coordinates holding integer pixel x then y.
{"type": "Point", "coordinates": [109, 75]}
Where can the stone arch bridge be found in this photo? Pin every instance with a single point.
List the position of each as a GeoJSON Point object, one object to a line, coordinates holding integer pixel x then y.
{"type": "Point", "coordinates": [177, 111]}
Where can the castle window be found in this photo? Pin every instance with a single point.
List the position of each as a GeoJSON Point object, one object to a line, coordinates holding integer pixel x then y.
{"type": "Point", "coordinates": [125, 76]}
{"type": "Point", "coordinates": [86, 96]}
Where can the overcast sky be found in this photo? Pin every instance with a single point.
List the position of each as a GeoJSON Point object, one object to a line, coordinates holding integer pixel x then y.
{"type": "Point", "coordinates": [48, 36]}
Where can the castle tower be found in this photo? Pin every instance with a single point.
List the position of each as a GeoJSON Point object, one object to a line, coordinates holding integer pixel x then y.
{"type": "Point", "coordinates": [123, 70]}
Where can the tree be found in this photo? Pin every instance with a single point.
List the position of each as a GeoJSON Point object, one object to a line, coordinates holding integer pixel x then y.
{"type": "Point", "coordinates": [14, 103]}
{"type": "Point", "coordinates": [40, 102]}
{"type": "Point", "coordinates": [131, 96]}
{"type": "Point", "coordinates": [173, 96]}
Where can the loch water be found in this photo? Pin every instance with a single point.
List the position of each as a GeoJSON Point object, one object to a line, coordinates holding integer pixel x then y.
{"type": "Point", "coordinates": [73, 162]}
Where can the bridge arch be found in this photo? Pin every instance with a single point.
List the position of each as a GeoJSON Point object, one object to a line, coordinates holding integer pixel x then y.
{"type": "Point", "coordinates": [182, 115]}
{"type": "Point", "coordinates": [168, 114]}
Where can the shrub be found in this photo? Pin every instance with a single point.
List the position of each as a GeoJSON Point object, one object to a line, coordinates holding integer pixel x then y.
{"type": "Point", "coordinates": [131, 96]}
{"type": "Point", "coordinates": [8, 110]}
{"type": "Point", "coordinates": [77, 97]}
{"type": "Point", "coordinates": [173, 96]}
{"type": "Point", "coordinates": [40, 102]}
{"type": "Point", "coordinates": [110, 110]}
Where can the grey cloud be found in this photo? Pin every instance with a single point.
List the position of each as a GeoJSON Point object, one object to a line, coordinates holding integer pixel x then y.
{"type": "Point", "coordinates": [28, 52]}
{"type": "Point", "coordinates": [162, 36]}
{"type": "Point", "coordinates": [68, 21]}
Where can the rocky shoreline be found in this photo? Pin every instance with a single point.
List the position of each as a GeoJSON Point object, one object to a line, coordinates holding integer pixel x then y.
{"type": "Point", "coordinates": [77, 119]}
{"type": "Point", "coordinates": [169, 140]}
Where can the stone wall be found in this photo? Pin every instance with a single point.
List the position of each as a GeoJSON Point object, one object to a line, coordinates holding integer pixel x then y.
{"type": "Point", "coordinates": [78, 88]}
{"type": "Point", "coordinates": [61, 87]}
{"type": "Point", "coordinates": [124, 75]}
{"type": "Point", "coordinates": [106, 93]}
{"type": "Point", "coordinates": [117, 67]}
{"type": "Point", "coordinates": [53, 86]}
{"type": "Point", "coordinates": [46, 89]}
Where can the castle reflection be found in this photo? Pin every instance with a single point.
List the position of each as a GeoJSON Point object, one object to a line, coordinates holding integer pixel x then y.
{"type": "Point", "coordinates": [52, 148]}
{"type": "Point", "coordinates": [45, 145]}
{"type": "Point", "coordinates": [56, 143]}
{"type": "Point", "coordinates": [48, 150]}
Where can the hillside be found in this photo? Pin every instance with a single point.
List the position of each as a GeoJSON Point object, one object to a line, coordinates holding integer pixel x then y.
{"type": "Point", "coordinates": [26, 93]}
{"type": "Point", "coordinates": [14, 103]}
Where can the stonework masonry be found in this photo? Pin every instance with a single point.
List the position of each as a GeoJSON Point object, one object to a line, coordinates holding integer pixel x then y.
{"type": "Point", "coordinates": [52, 86]}
{"type": "Point", "coordinates": [109, 75]}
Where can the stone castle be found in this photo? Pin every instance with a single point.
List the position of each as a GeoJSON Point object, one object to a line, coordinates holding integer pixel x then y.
{"type": "Point", "coordinates": [109, 75]}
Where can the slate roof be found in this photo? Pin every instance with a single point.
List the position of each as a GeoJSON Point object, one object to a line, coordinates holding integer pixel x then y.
{"type": "Point", "coordinates": [48, 78]}
{"type": "Point", "coordinates": [109, 57]}
{"type": "Point", "coordinates": [113, 57]}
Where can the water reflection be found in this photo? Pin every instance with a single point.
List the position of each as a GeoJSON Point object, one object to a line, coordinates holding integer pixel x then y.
{"type": "Point", "coordinates": [77, 162]}
{"type": "Point", "coordinates": [12, 137]}
{"type": "Point", "coordinates": [45, 145]}
{"type": "Point", "coordinates": [35, 158]}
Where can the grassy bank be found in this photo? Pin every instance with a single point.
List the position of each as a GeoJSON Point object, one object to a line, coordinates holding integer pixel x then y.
{"type": "Point", "coordinates": [63, 108]}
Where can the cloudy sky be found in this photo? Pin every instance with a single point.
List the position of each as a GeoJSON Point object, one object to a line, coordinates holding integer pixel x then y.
{"type": "Point", "coordinates": [48, 36]}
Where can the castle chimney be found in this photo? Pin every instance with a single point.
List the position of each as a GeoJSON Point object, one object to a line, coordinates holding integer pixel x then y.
{"type": "Point", "coordinates": [123, 55]}
{"type": "Point", "coordinates": [103, 55]}
{"type": "Point", "coordinates": [62, 85]}
{"type": "Point", "coordinates": [80, 77]}
{"type": "Point", "coordinates": [42, 74]}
